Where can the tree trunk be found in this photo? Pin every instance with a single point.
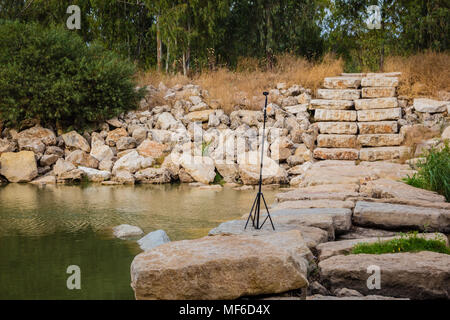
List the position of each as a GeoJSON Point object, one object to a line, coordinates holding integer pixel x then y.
{"type": "Point", "coordinates": [158, 46]}
{"type": "Point", "coordinates": [168, 56]}
{"type": "Point", "coordinates": [184, 64]}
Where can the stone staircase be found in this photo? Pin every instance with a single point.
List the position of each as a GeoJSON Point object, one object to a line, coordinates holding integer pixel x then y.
{"type": "Point", "coordinates": [357, 117]}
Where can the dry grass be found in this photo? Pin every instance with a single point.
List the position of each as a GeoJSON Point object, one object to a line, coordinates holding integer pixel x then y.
{"type": "Point", "coordinates": [423, 74]}
{"type": "Point", "coordinates": [249, 80]}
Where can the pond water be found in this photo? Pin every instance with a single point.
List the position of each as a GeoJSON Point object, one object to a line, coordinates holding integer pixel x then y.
{"type": "Point", "coordinates": [43, 230]}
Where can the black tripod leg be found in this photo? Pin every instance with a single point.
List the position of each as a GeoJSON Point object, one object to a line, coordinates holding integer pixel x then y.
{"type": "Point", "coordinates": [268, 214]}
{"type": "Point", "coordinates": [251, 215]}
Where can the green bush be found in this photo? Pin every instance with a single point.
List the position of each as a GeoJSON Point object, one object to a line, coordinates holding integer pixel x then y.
{"type": "Point", "coordinates": [410, 242]}
{"type": "Point", "coordinates": [434, 172]}
{"type": "Point", "coordinates": [52, 75]}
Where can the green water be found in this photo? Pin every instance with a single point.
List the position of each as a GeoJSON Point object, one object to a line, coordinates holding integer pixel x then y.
{"type": "Point", "coordinates": [43, 230]}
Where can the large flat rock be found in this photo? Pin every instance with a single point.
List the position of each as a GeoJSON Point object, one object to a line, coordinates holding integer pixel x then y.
{"type": "Point", "coordinates": [338, 127]}
{"type": "Point", "coordinates": [379, 114]}
{"type": "Point", "coordinates": [422, 275]}
{"type": "Point", "coordinates": [341, 217]}
{"type": "Point", "coordinates": [311, 233]}
{"type": "Point", "coordinates": [334, 248]}
{"type": "Point", "coordinates": [380, 140]}
{"type": "Point", "coordinates": [322, 203]}
{"type": "Point", "coordinates": [336, 141]}
{"type": "Point", "coordinates": [339, 94]}
{"type": "Point", "coordinates": [341, 82]}
{"type": "Point", "coordinates": [336, 153]}
{"type": "Point", "coordinates": [396, 216]}
{"type": "Point", "coordinates": [430, 106]}
{"type": "Point", "coordinates": [331, 104]}
{"type": "Point", "coordinates": [379, 82]}
{"type": "Point", "coordinates": [383, 153]}
{"type": "Point", "coordinates": [221, 267]}
{"type": "Point", "coordinates": [377, 103]}
{"type": "Point", "coordinates": [308, 195]}
{"type": "Point", "coordinates": [377, 127]}
{"type": "Point", "coordinates": [335, 115]}
{"type": "Point", "coordinates": [378, 92]}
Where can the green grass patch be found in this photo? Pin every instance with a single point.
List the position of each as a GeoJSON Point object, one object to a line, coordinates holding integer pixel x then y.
{"type": "Point", "coordinates": [434, 172]}
{"type": "Point", "coordinates": [218, 179]}
{"type": "Point", "coordinates": [410, 242]}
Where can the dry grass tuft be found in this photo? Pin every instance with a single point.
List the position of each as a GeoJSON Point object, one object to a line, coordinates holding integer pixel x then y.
{"type": "Point", "coordinates": [231, 88]}
{"type": "Point", "coordinates": [423, 74]}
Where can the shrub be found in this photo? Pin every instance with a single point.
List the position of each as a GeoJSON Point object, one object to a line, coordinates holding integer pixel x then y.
{"type": "Point", "coordinates": [52, 75]}
{"type": "Point", "coordinates": [410, 242]}
{"type": "Point", "coordinates": [434, 172]}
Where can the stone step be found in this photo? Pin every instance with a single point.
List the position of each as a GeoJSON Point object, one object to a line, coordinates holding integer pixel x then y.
{"type": "Point", "coordinates": [379, 82]}
{"type": "Point", "coordinates": [378, 92]}
{"type": "Point", "coordinates": [341, 82]}
{"type": "Point", "coordinates": [339, 94]}
{"type": "Point", "coordinates": [336, 141]}
{"type": "Point", "coordinates": [338, 127]}
{"type": "Point", "coordinates": [336, 154]}
{"type": "Point", "coordinates": [383, 153]}
{"type": "Point", "coordinates": [379, 114]}
{"type": "Point", "coordinates": [377, 103]}
{"type": "Point", "coordinates": [358, 75]}
{"type": "Point", "coordinates": [335, 115]}
{"type": "Point", "coordinates": [379, 140]}
{"type": "Point", "coordinates": [397, 216]}
{"type": "Point", "coordinates": [377, 127]}
{"type": "Point", "coordinates": [332, 104]}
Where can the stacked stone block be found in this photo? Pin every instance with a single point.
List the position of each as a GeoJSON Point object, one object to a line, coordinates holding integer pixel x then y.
{"type": "Point", "coordinates": [357, 116]}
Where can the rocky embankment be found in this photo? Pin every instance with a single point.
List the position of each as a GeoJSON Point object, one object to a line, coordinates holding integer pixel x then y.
{"type": "Point", "coordinates": [190, 138]}
{"type": "Point", "coordinates": [337, 205]}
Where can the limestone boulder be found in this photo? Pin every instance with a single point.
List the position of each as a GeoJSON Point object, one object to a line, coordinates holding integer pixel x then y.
{"type": "Point", "coordinates": [337, 94]}
{"type": "Point", "coordinates": [336, 153]}
{"type": "Point", "coordinates": [445, 134]}
{"type": "Point", "coordinates": [18, 166]}
{"type": "Point", "coordinates": [153, 240]}
{"type": "Point", "coordinates": [114, 136]}
{"type": "Point", "coordinates": [95, 175]}
{"type": "Point", "coordinates": [341, 82]}
{"type": "Point", "coordinates": [379, 114]}
{"type": "Point", "coordinates": [225, 267]}
{"type": "Point", "coordinates": [331, 104]}
{"type": "Point", "coordinates": [384, 153]}
{"type": "Point", "coordinates": [378, 103]}
{"type": "Point", "coordinates": [125, 231]}
{"type": "Point", "coordinates": [378, 92]}
{"type": "Point", "coordinates": [131, 162]}
{"type": "Point", "coordinates": [396, 216]}
{"type": "Point", "coordinates": [81, 158]}
{"type": "Point", "coordinates": [73, 140]}
{"type": "Point", "coordinates": [123, 177]}
{"type": "Point", "coordinates": [36, 139]}
{"type": "Point", "coordinates": [379, 82]}
{"type": "Point", "coordinates": [379, 140]}
{"type": "Point", "coordinates": [7, 146]}
{"type": "Point", "coordinates": [421, 275]}
{"type": "Point", "coordinates": [430, 106]}
{"type": "Point", "coordinates": [201, 169]}
{"type": "Point", "coordinates": [249, 169]}
{"type": "Point", "coordinates": [338, 127]}
{"type": "Point", "coordinates": [153, 176]}
{"type": "Point", "coordinates": [62, 166]}
{"type": "Point", "coordinates": [313, 231]}
{"type": "Point", "coordinates": [378, 127]}
{"type": "Point", "coordinates": [335, 115]}
{"type": "Point", "coordinates": [150, 148]}
{"type": "Point", "coordinates": [199, 116]}
{"type": "Point", "coordinates": [336, 141]}
{"type": "Point", "coordinates": [125, 143]}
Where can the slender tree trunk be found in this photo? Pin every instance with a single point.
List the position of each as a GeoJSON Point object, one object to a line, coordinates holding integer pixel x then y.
{"type": "Point", "coordinates": [184, 64]}
{"type": "Point", "coordinates": [382, 48]}
{"type": "Point", "coordinates": [158, 46]}
{"type": "Point", "coordinates": [168, 56]}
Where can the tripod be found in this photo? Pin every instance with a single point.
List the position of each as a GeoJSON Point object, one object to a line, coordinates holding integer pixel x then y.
{"type": "Point", "coordinates": [256, 207]}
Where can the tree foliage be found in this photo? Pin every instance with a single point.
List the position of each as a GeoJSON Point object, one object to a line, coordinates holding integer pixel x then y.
{"type": "Point", "coordinates": [52, 75]}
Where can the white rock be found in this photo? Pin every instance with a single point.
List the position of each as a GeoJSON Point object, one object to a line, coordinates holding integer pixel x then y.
{"type": "Point", "coordinates": [127, 231]}
{"type": "Point", "coordinates": [153, 240]}
{"type": "Point", "coordinates": [430, 106]}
